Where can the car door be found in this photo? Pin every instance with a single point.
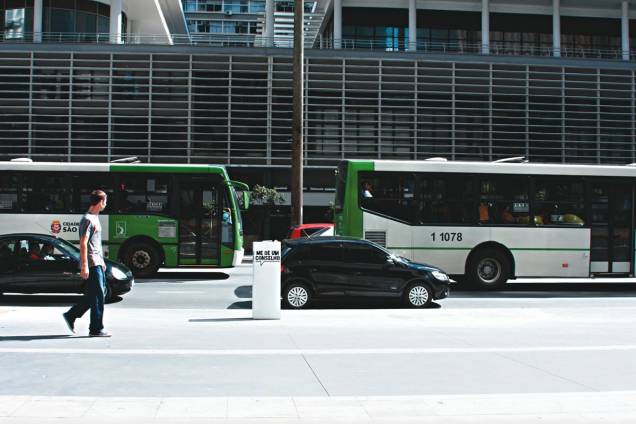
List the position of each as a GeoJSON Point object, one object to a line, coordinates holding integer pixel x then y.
{"type": "Point", "coordinates": [54, 273]}
{"type": "Point", "coordinates": [9, 269]}
{"type": "Point", "coordinates": [371, 273]}
{"type": "Point", "coordinates": [326, 268]}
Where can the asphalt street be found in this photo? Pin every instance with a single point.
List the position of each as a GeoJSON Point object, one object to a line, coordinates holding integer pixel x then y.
{"type": "Point", "coordinates": [185, 348]}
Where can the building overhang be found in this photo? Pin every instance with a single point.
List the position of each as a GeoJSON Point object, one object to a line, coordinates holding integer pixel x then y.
{"type": "Point", "coordinates": [156, 21]}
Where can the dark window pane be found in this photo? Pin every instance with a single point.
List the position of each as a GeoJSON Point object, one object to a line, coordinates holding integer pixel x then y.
{"type": "Point", "coordinates": [559, 201]}
{"type": "Point", "coordinates": [8, 193]}
{"type": "Point", "coordinates": [85, 184]}
{"type": "Point", "coordinates": [504, 200]}
{"type": "Point", "coordinates": [43, 192]}
{"type": "Point", "coordinates": [445, 199]}
{"type": "Point", "coordinates": [359, 253]}
{"type": "Point", "coordinates": [141, 193]}
{"type": "Point", "coordinates": [387, 193]}
{"type": "Point", "coordinates": [326, 252]}
{"type": "Point", "coordinates": [62, 20]}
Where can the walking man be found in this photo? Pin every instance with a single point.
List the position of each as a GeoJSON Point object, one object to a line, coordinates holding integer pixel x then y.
{"type": "Point", "coordinates": [92, 269]}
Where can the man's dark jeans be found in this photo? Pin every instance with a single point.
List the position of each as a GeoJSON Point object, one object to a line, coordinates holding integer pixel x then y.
{"type": "Point", "coordinates": [93, 299]}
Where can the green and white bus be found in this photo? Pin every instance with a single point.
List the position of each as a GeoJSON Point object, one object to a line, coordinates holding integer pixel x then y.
{"type": "Point", "coordinates": [157, 215]}
{"type": "Point", "coordinates": [491, 222]}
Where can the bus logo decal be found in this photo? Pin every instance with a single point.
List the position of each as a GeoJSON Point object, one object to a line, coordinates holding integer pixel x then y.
{"type": "Point", "coordinates": [120, 229]}
{"type": "Point", "coordinates": [56, 227]}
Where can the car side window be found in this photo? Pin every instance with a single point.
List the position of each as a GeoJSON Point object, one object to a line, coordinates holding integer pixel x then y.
{"type": "Point", "coordinates": [327, 252]}
{"type": "Point", "coordinates": [7, 250]}
{"type": "Point", "coordinates": [361, 253]}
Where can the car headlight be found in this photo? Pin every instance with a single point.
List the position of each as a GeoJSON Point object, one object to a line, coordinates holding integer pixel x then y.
{"type": "Point", "coordinates": [118, 274]}
{"type": "Point", "coordinates": [440, 276]}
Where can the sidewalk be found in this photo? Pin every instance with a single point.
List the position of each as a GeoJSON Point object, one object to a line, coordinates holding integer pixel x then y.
{"type": "Point", "coordinates": [519, 408]}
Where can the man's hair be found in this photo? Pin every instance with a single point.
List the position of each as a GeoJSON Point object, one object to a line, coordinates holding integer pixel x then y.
{"type": "Point", "coordinates": [97, 196]}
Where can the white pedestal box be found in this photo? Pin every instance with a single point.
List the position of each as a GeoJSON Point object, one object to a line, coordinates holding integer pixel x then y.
{"type": "Point", "coordinates": [266, 280]}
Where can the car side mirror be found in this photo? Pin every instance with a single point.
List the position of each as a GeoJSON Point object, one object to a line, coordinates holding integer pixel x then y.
{"type": "Point", "coordinates": [389, 263]}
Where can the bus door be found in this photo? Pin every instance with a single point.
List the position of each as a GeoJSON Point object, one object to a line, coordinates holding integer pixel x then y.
{"type": "Point", "coordinates": [612, 235]}
{"type": "Point", "coordinates": [198, 222]}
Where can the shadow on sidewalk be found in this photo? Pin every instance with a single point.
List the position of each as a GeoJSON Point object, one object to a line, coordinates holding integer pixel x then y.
{"type": "Point", "coordinates": [43, 337]}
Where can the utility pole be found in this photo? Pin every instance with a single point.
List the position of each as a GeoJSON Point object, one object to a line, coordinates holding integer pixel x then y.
{"type": "Point", "coordinates": [297, 120]}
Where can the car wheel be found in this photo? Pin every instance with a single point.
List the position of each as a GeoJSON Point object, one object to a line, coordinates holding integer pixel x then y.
{"type": "Point", "coordinates": [418, 295]}
{"type": "Point", "coordinates": [489, 269]}
{"type": "Point", "coordinates": [142, 259]}
{"type": "Point", "coordinates": [297, 296]}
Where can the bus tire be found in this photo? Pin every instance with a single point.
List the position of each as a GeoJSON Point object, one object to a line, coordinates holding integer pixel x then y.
{"type": "Point", "coordinates": [489, 269]}
{"type": "Point", "coordinates": [297, 295]}
{"type": "Point", "coordinates": [418, 295]}
{"type": "Point", "coordinates": [142, 258]}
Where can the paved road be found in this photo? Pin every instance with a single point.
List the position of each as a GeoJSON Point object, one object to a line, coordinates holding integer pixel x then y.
{"type": "Point", "coordinates": [184, 346]}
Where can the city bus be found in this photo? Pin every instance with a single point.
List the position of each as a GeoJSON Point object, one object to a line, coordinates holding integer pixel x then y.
{"type": "Point", "coordinates": [156, 215]}
{"type": "Point", "coordinates": [488, 223]}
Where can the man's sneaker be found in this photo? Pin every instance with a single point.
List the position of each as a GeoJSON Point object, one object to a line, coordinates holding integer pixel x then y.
{"type": "Point", "coordinates": [70, 322]}
{"type": "Point", "coordinates": [100, 334]}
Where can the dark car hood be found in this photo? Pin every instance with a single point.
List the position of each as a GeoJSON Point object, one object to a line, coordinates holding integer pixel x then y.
{"type": "Point", "coordinates": [419, 266]}
{"type": "Point", "coordinates": [114, 264]}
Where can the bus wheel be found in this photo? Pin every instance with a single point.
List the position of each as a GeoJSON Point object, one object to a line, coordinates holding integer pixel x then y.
{"type": "Point", "coordinates": [418, 295]}
{"type": "Point", "coordinates": [142, 259]}
{"type": "Point", "coordinates": [489, 269]}
{"type": "Point", "coordinates": [296, 296]}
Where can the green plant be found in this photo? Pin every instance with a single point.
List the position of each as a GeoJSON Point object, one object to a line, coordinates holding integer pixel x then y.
{"type": "Point", "coordinates": [266, 196]}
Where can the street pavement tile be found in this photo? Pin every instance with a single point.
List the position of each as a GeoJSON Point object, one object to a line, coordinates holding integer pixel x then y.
{"type": "Point", "coordinates": [274, 407]}
{"type": "Point", "coordinates": [55, 407]}
{"type": "Point", "coordinates": [124, 408]}
{"type": "Point", "coordinates": [9, 404]}
{"type": "Point", "coordinates": [193, 408]}
{"type": "Point", "coordinates": [323, 407]}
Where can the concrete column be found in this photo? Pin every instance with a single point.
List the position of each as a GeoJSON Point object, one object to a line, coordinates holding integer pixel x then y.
{"type": "Point", "coordinates": [625, 30]}
{"type": "Point", "coordinates": [269, 23]}
{"type": "Point", "coordinates": [485, 27]}
{"type": "Point", "coordinates": [556, 28]}
{"type": "Point", "coordinates": [412, 26]}
{"type": "Point", "coordinates": [115, 21]}
{"type": "Point", "coordinates": [337, 24]}
{"type": "Point", "coordinates": [37, 21]}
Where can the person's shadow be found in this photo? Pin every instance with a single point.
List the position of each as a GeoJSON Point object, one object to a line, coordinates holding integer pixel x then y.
{"type": "Point", "coordinates": [39, 337]}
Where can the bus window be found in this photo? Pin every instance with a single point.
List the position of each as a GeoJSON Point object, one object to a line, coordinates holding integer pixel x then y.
{"type": "Point", "coordinates": [227, 223]}
{"type": "Point", "coordinates": [44, 192]}
{"type": "Point", "coordinates": [143, 194]}
{"type": "Point", "coordinates": [559, 202]}
{"type": "Point", "coordinates": [389, 194]}
{"type": "Point", "coordinates": [85, 184]}
{"type": "Point", "coordinates": [445, 199]}
{"type": "Point", "coordinates": [504, 200]}
{"type": "Point", "coordinates": [8, 193]}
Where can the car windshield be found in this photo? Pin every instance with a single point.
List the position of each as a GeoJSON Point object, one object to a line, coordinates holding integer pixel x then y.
{"type": "Point", "coordinates": [67, 248]}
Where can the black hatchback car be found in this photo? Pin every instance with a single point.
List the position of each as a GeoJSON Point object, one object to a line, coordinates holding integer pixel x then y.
{"type": "Point", "coordinates": [40, 263]}
{"type": "Point", "coordinates": [341, 266]}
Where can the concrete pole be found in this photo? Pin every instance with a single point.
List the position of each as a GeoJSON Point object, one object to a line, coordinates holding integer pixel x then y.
{"type": "Point", "coordinates": [297, 114]}
{"type": "Point", "coordinates": [556, 28]}
{"type": "Point", "coordinates": [337, 24]}
{"type": "Point", "coordinates": [269, 23]}
{"type": "Point", "coordinates": [485, 27]}
{"type": "Point", "coordinates": [115, 21]}
{"type": "Point", "coordinates": [625, 30]}
{"type": "Point", "coordinates": [37, 21]}
{"type": "Point", "coordinates": [412, 26]}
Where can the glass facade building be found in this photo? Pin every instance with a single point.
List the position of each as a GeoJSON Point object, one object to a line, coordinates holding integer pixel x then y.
{"type": "Point", "coordinates": [369, 95]}
{"type": "Point", "coordinates": [84, 18]}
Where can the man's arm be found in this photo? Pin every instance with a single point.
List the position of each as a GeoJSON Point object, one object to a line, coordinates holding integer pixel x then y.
{"type": "Point", "coordinates": [84, 257]}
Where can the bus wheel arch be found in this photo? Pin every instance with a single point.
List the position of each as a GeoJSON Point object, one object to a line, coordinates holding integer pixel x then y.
{"type": "Point", "coordinates": [142, 255]}
{"type": "Point", "coordinates": [489, 265]}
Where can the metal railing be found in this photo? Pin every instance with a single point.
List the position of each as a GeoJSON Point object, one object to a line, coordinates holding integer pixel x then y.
{"type": "Point", "coordinates": [375, 44]}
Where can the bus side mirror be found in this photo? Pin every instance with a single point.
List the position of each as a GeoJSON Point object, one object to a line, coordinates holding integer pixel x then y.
{"type": "Point", "coordinates": [246, 200]}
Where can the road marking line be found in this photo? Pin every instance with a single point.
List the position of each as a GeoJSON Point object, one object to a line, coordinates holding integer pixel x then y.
{"type": "Point", "coordinates": [268, 352]}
